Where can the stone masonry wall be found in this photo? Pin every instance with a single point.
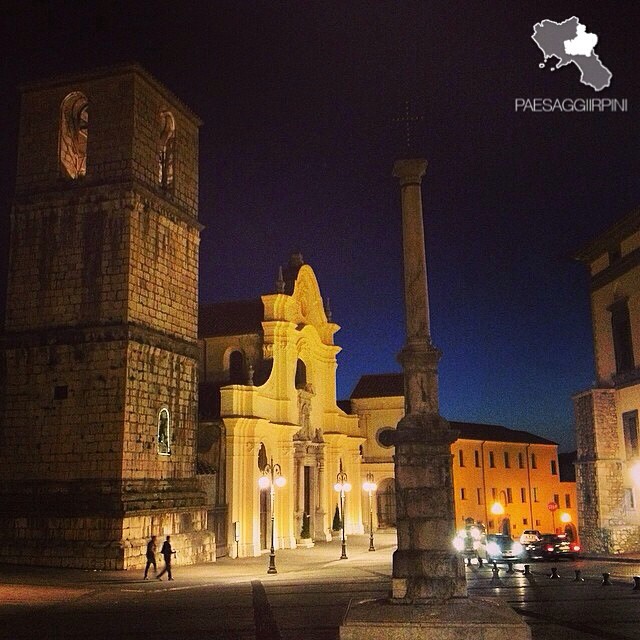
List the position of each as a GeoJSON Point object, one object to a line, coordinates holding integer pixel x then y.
{"type": "Point", "coordinates": [599, 469]}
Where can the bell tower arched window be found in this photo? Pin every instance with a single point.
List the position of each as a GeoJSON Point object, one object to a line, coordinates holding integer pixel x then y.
{"type": "Point", "coordinates": [73, 135]}
{"type": "Point", "coordinates": [166, 150]}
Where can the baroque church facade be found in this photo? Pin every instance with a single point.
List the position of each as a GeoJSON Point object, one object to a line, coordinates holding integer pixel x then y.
{"type": "Point", "coordinates": [129, 410]}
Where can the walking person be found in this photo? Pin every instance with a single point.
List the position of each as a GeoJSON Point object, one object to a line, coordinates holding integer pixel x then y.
{"type": "Point", "coordinates": [151, 557]}
{"type": "Point", "coordinates": [166, 552]}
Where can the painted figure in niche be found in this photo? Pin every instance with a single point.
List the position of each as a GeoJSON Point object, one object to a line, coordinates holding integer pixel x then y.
{"type": "Point", "coordinates": [74, 129]}
{"type": "Point", "coordinates": [164, 444]}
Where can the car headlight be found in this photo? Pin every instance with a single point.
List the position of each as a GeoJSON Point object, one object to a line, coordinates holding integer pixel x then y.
{"type": "Point", "coordinates": [517, 548]}
{"type": "Point", "coordinates": [458, 544]}
{"type": "Point", "coordinates": [493, 549]}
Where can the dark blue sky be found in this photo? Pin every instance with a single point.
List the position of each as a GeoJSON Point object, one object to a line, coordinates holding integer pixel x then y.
{"type": "Point", "coordinates": [298, 101]}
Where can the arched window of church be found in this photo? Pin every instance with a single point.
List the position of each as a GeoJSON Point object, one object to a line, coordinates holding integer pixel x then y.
{"type": "Point", "coordinates": [166, 150]}
{"type": "Point", "coordinates": [74, 130]}
{"type": "Point", "coordinates": [164, 432]}
{"type": "Point", "coordinates": [301, 375]}
{"type": "Point", "coordinates": [236, 368]}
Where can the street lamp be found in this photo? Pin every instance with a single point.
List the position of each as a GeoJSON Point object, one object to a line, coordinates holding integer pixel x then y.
{"type": "Point", "coordinates": [497, 510]}
{"type": "Point", "coordinates": [342, 487]}
{"type": "Point", "coordinates": [270, 479]}
{"type": "Point", "coordinates": [370, 486]}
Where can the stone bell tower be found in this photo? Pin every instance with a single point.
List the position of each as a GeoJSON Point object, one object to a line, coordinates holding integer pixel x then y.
{"type": "Point", "coordinates": [99, 426]}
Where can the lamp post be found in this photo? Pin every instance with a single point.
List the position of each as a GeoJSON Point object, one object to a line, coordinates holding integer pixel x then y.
{"type": "Point", "coordinates": [497, 510]}
{"type": "Point", "coordinates": [270, 478]}
{"type": "Point", "coordinates": [370, 486]}
{"type": "Point", "coordinates": [342, 487]}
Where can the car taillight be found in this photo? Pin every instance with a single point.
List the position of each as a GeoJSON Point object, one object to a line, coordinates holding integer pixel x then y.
{"type": "Point", "coordinates": [549, 548]}
{"type": "Point", "coordinates": [576, 547]}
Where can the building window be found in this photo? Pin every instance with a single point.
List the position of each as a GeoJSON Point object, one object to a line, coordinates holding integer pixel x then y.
{"type": "Point", "coordinates": [567, 501]}
{"type": "Point", "coordinates": [164, 432]}
{"type": "Point", "coordinates": [621, 330]}
{"type": "Point", "coordinates": [535, 494]}
{"type": "Point", "coordinates": [236, 368]}
{"type": "Point", "coordinates": [479, 495]}
{"type": "Point", "coordinates": [520, 460]}
{"type": "Point", "coordinates": [554, 468]}
{"type": "Point", "coordinates": [629, 500]}
{"type": "Point", "coordinates": [494, 493]}
{"type": "Point", "coordinates": [166, 150]}
{"type": "Point", "coordinates": [537, 523]}
{"type": "Point", "coordinates": [476, 457]}
{"type": "Point", "coordinates": [509, 496]}
{"type": "Point", "coordinates": [525, 521]}
{"type": "Point", "coordinates": [507, 461]}
{"type": "Point", "coordinates": [630, 431]}
{"type": "Point", "coordinates": [556, 499]}
{"type": "Point", "coordinates": [73, 135]}
{"type": "Point", "coordinates": [534, 463]}
{"type": "Point", "coordinates": [461, 457]}
{"type": "Point", "coordinates": [492, 462]}
{"type": "Point", "coordinates": [523, 494]}
{"type": "Point", "coordinates": [463, 494]}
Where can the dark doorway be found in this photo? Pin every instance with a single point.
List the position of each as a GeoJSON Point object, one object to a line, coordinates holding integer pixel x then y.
{"type": "Point", "coordinates": [386, 503]}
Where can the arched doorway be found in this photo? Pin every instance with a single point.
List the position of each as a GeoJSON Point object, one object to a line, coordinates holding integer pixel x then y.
{"type": "Point", "coordinates": [386, 503]}
{"type": "Point", "coordinates": [506, 526]}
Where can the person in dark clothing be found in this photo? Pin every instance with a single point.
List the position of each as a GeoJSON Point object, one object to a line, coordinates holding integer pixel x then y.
{"type": "Point", "coordinates": [151, 557]}
{"type": "Point", "coordinates": [166, 552]}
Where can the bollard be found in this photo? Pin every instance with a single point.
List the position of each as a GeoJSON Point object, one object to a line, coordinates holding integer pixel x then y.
{"type": "Point", "coordinates": [510, 567]}
{"type": "Point", "coordinates": [554, 573]}
{"type": "Point", "coordinates": [578, 577]}
{"type": "Point", "coordinates": [527, 569]}
{"type": "Point", "coordinates": [495, 572]}
{"type": "Point", "coordinates": [636, 583]}
{"type": "Point", "coordinates": [468, 561]}
{"type": "Point", "coordinates": [605, 580]}
{"type": "Point", "coordinates": [479, 561]}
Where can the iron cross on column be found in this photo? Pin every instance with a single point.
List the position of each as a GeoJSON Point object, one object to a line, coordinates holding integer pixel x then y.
{"type": "Point", "coordinates": [407, 119]}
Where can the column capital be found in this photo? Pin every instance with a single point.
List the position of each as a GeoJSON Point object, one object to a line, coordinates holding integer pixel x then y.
{"type": "Point", "coordinates": [410, 170]}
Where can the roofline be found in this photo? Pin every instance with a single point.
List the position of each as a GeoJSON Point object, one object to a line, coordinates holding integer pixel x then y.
{"type": "Point", "coordinates": [105, 72]}
{"type": "Point", "coordinates": [612, 235]}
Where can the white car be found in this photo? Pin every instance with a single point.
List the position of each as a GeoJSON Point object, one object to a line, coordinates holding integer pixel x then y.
{"type": "Point", "coordinates": [530, 535]}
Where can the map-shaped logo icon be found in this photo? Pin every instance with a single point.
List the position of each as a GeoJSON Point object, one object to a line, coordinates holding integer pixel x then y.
{"type": "Point", "coordinates": [570, 42]}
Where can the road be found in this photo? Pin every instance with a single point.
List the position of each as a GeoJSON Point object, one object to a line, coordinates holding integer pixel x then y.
{"type": "Point", "coordinates": [237, 600]}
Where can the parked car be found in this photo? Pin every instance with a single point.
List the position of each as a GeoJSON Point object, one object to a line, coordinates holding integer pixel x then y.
{"type": "Point", "coordinates": [530, 535]}
{"type": "Point", "coordinates": [503, 547]}
{"type": "Point", "coordinates": [551, 546]}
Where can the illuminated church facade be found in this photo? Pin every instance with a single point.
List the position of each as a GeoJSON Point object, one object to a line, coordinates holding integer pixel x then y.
{"type": "Point", "coordinates": [268, 399]}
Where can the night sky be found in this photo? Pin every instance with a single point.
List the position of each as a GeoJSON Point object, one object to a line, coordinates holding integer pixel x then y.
{"type": "Point", "coordinates": [299, 100]}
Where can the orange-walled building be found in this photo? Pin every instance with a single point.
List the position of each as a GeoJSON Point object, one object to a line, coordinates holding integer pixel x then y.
{"type": "Point", "coordinates": [504, 478]}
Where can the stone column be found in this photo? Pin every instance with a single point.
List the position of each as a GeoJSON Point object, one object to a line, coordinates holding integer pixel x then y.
{"type": "Point", "coordinates": [424, 565]}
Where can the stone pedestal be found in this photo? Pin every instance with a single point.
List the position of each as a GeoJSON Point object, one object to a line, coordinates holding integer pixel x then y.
{"type": "Point", "coordinates": [453, 619]}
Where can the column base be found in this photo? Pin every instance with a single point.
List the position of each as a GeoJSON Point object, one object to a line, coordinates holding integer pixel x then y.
{"type": "Point", "coordinates": [454, 619]}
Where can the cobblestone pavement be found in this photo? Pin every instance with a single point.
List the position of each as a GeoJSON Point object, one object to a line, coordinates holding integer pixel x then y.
{"type": "Point", "coordinates": [307, 599]}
